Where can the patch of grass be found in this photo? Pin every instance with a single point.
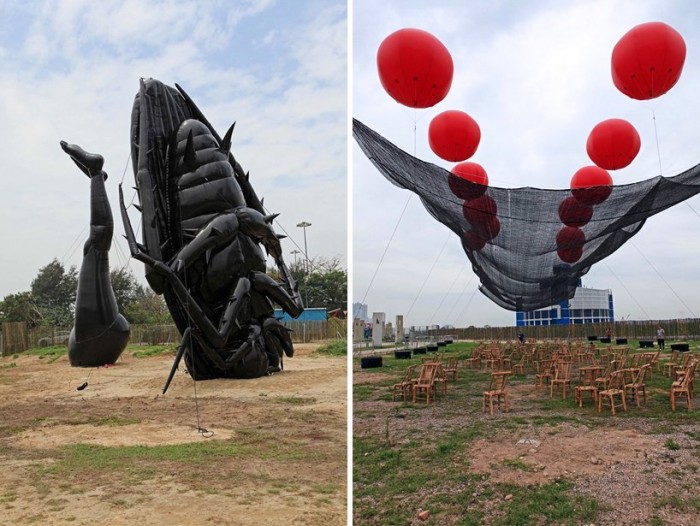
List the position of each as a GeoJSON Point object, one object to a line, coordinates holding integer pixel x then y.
{"type": "Point", "coordinates": [334, 348]}
{"type": "Point", "coordinates": [516, 464]}
{"type": "Point", "coordinates": [363, 392]}
{"type": "Point", "coordinates": [8, 365]}
{"type": "Point", "coordinates": [672, 445]}
{"type": "Point", "coordinates": [553, 503]}
{"type": "Point", "coordinates": [116, 421]}
{"type": "Point", "coordinates": [152, 350]}
{"type": "Point", "coordinates": [295, 400]}
{"type": "Point", "coordinates": [53, 352]}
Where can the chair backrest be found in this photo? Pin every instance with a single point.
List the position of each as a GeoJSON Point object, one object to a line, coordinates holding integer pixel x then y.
{"type": "Point", "coordinates": [563, 370]}
{"type": "Point", "coordinates": [617, 379]}
{"type": "Point", "coordinates": [498, 382]}
{"type": "Point", "coordinates": [410, 372]}
{"type": "Point", "coordinates": [639, 379]}
{"type": "Point", "coordinates": [689, 373]}
{"type": "Point", "coordinates": [427, 372]}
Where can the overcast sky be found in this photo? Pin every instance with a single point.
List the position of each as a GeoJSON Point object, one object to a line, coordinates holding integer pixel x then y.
{"type": "Point", "coordinates": [69, 70]}
{"type": "Point", "coordinates": [536, 77]}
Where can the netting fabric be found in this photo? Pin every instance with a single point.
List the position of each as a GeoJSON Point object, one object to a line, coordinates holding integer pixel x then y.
{"type": "Point", "coordinates": [528, 246]}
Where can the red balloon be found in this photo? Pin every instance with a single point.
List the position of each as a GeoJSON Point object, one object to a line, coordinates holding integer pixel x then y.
{"type": "Point", "coordinates": [570, 242]}
{"type": "Point", "coordinates": [471, 241]}
{"type": "Point", "coordinates": [648, 60]}
{"type": "Point", "coordinates": [613, 144]}
{"type": "Point", "coordinates": [591, 185]}
{"type": "Point", "coordinates": [569, 255]}
{"type": "Point", "coordinates": [487, 230]}
{"type": "Point", "coordinates": [481, 210]}
{"type": "Point", "coordinates": [415, 68]}
{"type": "Point", "coordinates": [570, 237]}
{"type": "Point", "coordinates": [469, 180]}
{"type": "Point", "coordinates": [573, 212]}
{"type": "Point", "coordinates": [453, 135]}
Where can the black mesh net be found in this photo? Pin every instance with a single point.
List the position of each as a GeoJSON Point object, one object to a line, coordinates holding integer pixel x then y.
{"type": "Point", "coordinates": [517, 240]}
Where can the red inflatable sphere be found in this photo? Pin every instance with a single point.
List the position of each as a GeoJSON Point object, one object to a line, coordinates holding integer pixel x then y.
{"type": "Point", "coordinates": [468, 180]}
{"type": "Point", "coordinates": [591, 185]}
{"type": "Point", "coordinates": [487, 230]}
{"type": "Point", "coordinates": [570, 242]}
{"type": "Point", "coordinates": [613, 144]}
{"type": "Point", "coordinates": [415, 68]}
{"type": "Point", "coordinates": [471, 241]}
{"type": "Point", "coordinates": [481, 210]}
{"type": "Point", "coordinates": [570, 255]}
{"type": "Point", "coordinates": [453, 135]}
{"type": "Point", "coordinates": [648, 60]}
{"type": "Point", "coordinates": [573, 212]}
{"type": "Point", "coordinates": [570, 237]}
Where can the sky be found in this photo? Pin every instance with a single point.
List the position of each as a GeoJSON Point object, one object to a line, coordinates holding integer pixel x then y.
{"type": "Point", "coordinates": [535, 75]}
{"type": "Point", "coordinates": [69, 70]}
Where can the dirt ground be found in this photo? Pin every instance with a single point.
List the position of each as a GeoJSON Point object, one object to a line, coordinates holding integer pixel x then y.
{"type": "Point", "coordinates": [626, 465]}
{"type": "Point", "coordinates": [291, 428]}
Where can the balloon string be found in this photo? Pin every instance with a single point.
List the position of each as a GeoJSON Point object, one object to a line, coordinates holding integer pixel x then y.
{"type": "Point", "coordinates": [656, 135]}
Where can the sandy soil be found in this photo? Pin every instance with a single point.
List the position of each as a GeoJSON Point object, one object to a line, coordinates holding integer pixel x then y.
{"type": "Point", "coordinates": [290, 427]}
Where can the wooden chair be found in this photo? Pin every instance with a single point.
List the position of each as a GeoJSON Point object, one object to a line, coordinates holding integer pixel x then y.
{"type": "Point", "coordinates": [562, 377]}
{"type": "Point", "coordinates": [425, 383]}
{"type": "Point", "coordinates": [451, 369]}
{"type": "Point", "coordinates": [586, 385]}
{"type": "Point", "coordinates": [440, 379]}
{"type": "Point", "coordinates": [474, 359]}
{"type": "Point", "coordinates": [684, 387]}
{"type": "Point", "coordinates": [519, 368]}
{"type": "Point", "coordinates": [637, 384]}
{"type": "Point", "coordinates": [652, 359]}
{"type": "Point", "coordinates": [405, 386]}
{"type": "Point", "coordinates": [543, 372]}
{"type": "Point", "coordinates": [497, 390]}
{"type": "Point", "coordinates": [672, 364]}
{"type": "Point", "coordinates": [616, 387]}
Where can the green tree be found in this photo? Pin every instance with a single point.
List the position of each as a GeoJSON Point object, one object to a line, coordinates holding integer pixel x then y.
{"type": "Point", "coordinates": [53, 291]}
{"type": "Point", "coordinates": [126, 289]}
{"type": "Point", "coordinates": [20, 307]}
{"type": "Point", "coordinates": [149, 308]}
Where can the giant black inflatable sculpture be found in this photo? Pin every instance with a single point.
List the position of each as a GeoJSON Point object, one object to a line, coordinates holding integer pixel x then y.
{"type": "Point", "coordinates": [203, 225]}
{"type": "Point", "coordinates": [100, 333]}
{"type": "Point", "coordinates": [525, 263]}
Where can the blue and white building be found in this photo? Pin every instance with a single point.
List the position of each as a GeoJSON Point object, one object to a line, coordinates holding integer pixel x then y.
{"type": "Point", "coordinates": [587, 306]}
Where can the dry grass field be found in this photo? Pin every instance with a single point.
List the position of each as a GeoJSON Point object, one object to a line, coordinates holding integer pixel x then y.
{"type": "Point", "coordinates": [120, 453]}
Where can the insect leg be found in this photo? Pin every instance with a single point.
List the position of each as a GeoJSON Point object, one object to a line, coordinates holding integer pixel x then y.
{"type": "Point", "coordinates": [219, 232]}
{"type": "Point", "coordinates": [275, 291]}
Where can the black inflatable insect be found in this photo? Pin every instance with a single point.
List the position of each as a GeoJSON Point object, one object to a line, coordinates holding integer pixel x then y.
{"type": "Point", "coordinates": [203, 227]}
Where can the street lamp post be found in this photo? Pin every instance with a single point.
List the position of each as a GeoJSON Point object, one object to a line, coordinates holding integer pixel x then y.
{"type": "Point", "coordinates": [303, 225]}
{"type": "Point", "coordinates": [295, 252]}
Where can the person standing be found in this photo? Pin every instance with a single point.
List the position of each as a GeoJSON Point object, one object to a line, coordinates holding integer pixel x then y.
{"type": "Point", "coordinates": [660, 337]}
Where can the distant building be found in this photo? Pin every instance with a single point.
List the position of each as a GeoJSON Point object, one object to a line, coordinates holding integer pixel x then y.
{"type": "Point", "coordinates": [587, 306]}
{"type": "Point", "coordinates": [359, 312]}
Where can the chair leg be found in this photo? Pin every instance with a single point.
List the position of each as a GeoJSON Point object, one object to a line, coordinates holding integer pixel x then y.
{"type": "Point", "coordinates": [491, 404]}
